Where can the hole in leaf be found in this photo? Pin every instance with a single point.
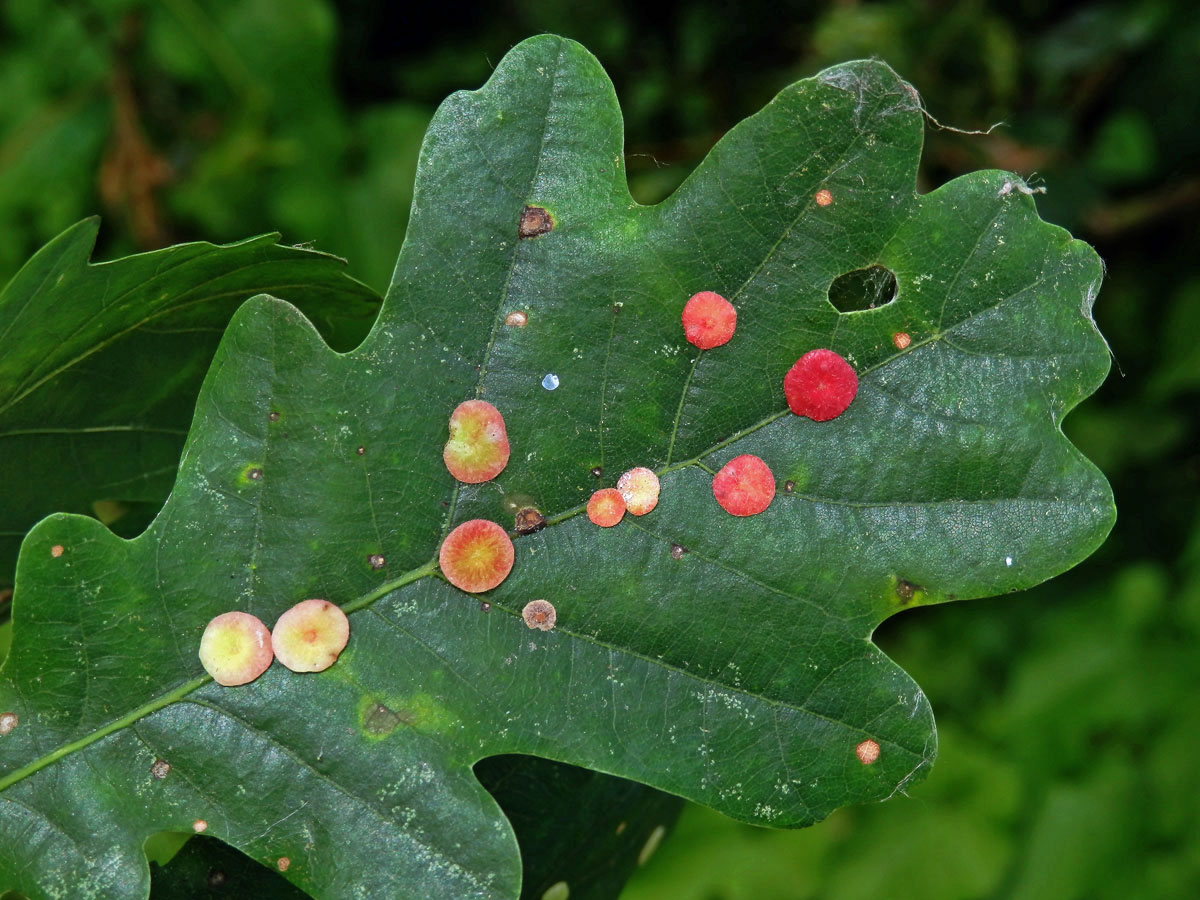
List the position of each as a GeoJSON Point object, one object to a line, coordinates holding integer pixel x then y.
{"type": "Point", "coordinates": [861, 289]}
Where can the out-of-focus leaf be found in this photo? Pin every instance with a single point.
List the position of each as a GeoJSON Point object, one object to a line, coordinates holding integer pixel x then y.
{"type": "Point", "coordinates": [208, 869]}
{"type": "Point", "coordinates": [101, 363]}
{"type": "Point", "coordinates": [577, 827]}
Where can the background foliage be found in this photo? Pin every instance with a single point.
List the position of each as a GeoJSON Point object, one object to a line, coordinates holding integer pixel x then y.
{"type": "Point", "coordinates": [1067, 715]}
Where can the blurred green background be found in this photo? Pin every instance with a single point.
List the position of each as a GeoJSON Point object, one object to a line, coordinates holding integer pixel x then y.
{"type": "Point", "coordinates": [1068, 715]}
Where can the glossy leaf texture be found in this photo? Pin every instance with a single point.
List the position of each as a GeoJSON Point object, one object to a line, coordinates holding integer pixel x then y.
{"type": "Point", "coordinates": [723, 659]}
{"type": "Point", "coordinates": [101, 363]}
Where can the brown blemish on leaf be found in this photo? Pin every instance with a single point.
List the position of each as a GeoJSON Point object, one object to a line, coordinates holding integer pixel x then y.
{"type": "Point", "coordinates": [901, 339]}
{"type": "Point", "coordinates": [597, 471]}
{"type": "Point", "coordinates": [867, 752]}
{"type": "Point", "coordinates": [484, 606]}
{"type": "Point", "coordinates": [160, 769]}
{"type": "Point", "coordinates": [534, 221]}
{"type": "Point", "coordinates": [518, 318]}
{"type": "Point", "coordinates": [539, 614]}
{"type": "Point", "coordinates": [621, 826]}
{"type": "Point", "coordinates": [283, 863]}
{"type": "Point", "coordinates": [381, 720]}
{"type": "Point", "coordinates": [361, 451]}
{"type": "Point", "coordinates": [272, 416]}
{"type": "Point", "coordinates": [199, 825]}
{"type": "Point", "coordinates": [376, 561]}
{"type": "Point", "coordinates": [677, 551]}
{"type": "Point", "coordinates": [906, 590]}
{"type": "Point", "coordinates": [56, 551]}
{"type": "Point", "coordinates": [255, 474]}
{"type": "Point", "coordinates": [789, 487]}
{"type": "Point", "coordinates": [8, 721]}
{"type": "Point", "coordinates": [823, 197]}
{"type": "Point", "coordinates": [528, 520]}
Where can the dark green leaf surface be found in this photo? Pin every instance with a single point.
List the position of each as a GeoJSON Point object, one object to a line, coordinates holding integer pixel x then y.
{"type": "Point", "coordinates": [101, 363]}
{"type": "Point", "coordinates": [740, 674]}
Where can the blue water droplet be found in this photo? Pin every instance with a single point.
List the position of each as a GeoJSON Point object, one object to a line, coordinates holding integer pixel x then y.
{"type": "Point", "coordinates": [550, 382]}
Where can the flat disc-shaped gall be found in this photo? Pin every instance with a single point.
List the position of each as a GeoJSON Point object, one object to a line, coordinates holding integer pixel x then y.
{"type": "Point", "coordinates": [708, 320]}
{"type": "Point", "coordinates": [235, 648]}
{"type": "Point", "coordinates": [478, 447]}
{"type": "Point", "coordinates": [310, 635]}
{"type": "Point", "coordinates": [821, 385]}
{"type": "Point", "coordinates": [744, 486]}
{"type": "Point", "coordinates": [606, 507]}
{"type": "Point", "coordinates": [639, 487]}
{"type": "Point", "coordinates": [476, 556]}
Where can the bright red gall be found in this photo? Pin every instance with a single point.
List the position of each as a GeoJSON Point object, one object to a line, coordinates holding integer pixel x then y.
{"type": "Point", "coordinates": [821, 385]}
{"type": "Point", "coordinates": [744, 486]}
{"type": "Point", "coordinates": [708, 320]}
{"type": "Point", "coordinates": [606, 507]}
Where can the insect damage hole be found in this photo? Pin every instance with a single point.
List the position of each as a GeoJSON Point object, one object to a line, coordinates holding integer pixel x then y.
{"type": "Point", "coordinates": [863, 289]}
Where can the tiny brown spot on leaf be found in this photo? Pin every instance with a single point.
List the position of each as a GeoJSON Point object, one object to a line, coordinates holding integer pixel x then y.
{"type": "Point", "coordinates": [283, 863]}
{"type": "Point", "coordinates": [823, 197]}
{"type": "Point", "coordinates": [789, 487]}
{"type": "Point", "coordinates": [381, 720]}
{"type": "Point", "coordinates": [867, 752]}
{"type": "Point", "coordinates": [56, 551]}
{"type": "Point", "coordinates": [529, 519]}
{"type": "Point", "coordinates": [199, 825]}
{"type": "Point", "coordinates": [901, 339]}
{"type": "Point", "coordinates": [255, 474]}
{"type": "Point", "coordinates": [518, 318]}
{"type": "Point", "coordinates": [906, 590]}
{"type": "Point", "coordinates": [484, 606]}
{"type": "Point", "coordinates": [597, 471]}
{"type": "Point", "coordinates": [8, 721]}
{"type": "Point", "coordinates": [534, 221]}
{"type": "Point", "coordinates": [376, 561]}
{"type": "Point", "coordinates": [361, 451]}
{"type": "Point", "coordinates": [272, 416]}
{"type": "Point", "coordinates": [160, 769]}
{"type": "Point", "coordinates": [677, 551]}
